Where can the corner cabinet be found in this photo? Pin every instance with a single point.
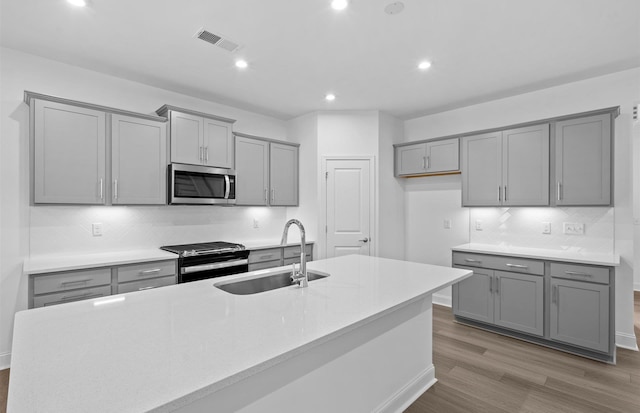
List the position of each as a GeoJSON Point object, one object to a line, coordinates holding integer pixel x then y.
{"type": "Point", "coordinates": [433, 157]}
{"type": "Point", "coordinates": [506, 168]}
{"type": "Point", "coordinates": [583, 161]}
{"type": "Point", "coordinates": [199, 138]}
{"type": "Point", "coordinates": [266, 172]}
{"type": "Point", "coordinates": [69, 154]}
{"type": "Point", "coordinates": [70, 159]}
{"type": "Point", "coordinates": [562, 305]}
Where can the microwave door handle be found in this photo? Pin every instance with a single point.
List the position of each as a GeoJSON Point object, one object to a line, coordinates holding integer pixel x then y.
{"type": "Point", "coordinates": [228, 187]}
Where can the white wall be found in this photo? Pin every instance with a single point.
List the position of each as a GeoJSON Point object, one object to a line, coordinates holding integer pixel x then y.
{"type": "Point", "coordinates": [57, 229]}
{"type": "Point", "coordinates": [618, 89]}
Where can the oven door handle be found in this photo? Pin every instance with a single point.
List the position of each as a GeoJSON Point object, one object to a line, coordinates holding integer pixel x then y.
{"type": "Point", "coordinates": [227, 187]}
{"type": "Point", "coordinates": [213, 266]}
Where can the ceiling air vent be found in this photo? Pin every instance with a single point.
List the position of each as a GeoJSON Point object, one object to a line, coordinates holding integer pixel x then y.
{"type": "Point", "coordinates": [226, 44]}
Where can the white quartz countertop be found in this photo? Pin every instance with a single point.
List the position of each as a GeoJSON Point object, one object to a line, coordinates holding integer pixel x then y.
{"type": "Point", "coordinates": [580, 257]}
{"type": "Point", "coordinates": [160, 349]}
{"type": "Point", "coordinates": [53, 263]}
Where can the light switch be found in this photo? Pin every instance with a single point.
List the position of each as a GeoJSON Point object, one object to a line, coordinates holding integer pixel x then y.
{"type": "Point", "coordinates": [447, 224]}
{"type": "Point", "coordinates": [573, 228]}
{"type": "Point", "coordinates": [546, 227]}
{"type": "Point", "coordinates": [478, 225]}
{"type": "Point", "coordinates": [96, 229]}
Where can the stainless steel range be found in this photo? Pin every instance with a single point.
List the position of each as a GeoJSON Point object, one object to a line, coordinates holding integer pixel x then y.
{"type": "Point", "coordinates": [209, 259]}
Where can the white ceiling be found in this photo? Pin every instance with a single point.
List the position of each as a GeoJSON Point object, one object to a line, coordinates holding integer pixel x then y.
{"type": "Point", "coordinates": [298, 50]}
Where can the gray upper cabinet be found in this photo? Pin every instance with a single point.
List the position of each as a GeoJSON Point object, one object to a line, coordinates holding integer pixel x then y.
{"type": "Point", "coordinates": [506, 168]}
{"type": "Point", "coordinates": [482, 169]}
{"type": "Point", "coordinates": [138, 161]}
{"type": "Point", "coordinates": [283, 174]}
{"type": "Point", "coordinates": [252, 171]}
{"type": "Point", "coordinates": [525, 166]}
{"type": "Point", "coordinates": [428, 158]}
{"type": "Point", "coordinates": [583, 161]}
{"type": "Point", "coordinates": [69, 154]}
{"type": "Point", "coordinates": [266, 172]}
{"type": "Point", "coordinates": [199, 139]}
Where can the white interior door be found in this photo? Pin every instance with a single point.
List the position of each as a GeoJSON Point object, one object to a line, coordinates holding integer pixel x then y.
{"type": "Point", "coordinates": [349, 206]}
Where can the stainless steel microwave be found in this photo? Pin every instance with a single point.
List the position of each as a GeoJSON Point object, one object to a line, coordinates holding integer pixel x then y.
{"type": "Point", "coordinates": [201, 185]}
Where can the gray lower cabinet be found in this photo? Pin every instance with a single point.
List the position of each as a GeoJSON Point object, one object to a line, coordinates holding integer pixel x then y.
{"type": "Point", "coordinates": [68, 286]}
{"type": "Point", "coordinates": [260, 259]}
{"type": "Point", "coordinates": [563, 305]}
{"type": "Point", "coordinates": [583, 161]}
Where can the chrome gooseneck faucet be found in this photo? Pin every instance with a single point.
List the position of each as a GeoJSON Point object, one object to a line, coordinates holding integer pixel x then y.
{"type": "Point", "coordinates": [299, 277]}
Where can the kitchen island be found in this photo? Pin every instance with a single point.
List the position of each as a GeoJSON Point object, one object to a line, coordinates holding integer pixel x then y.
{"type": "Point", "coordinates": [358, 340]}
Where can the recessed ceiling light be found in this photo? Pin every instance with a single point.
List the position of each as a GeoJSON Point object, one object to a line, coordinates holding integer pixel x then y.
{"type": "Point", "coordinates": [78, 3]}
{"type": "Point", "coordinates": [241, 64]}
{"type": "Point", "coordinates": [424, 65]}
{"type": "Point", "coordinates": [339, 4]}
{"type": "Point", "coordinates": [330, 97]}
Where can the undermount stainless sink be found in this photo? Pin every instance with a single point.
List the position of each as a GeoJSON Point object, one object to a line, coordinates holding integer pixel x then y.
{"type": "Point", "coordinates": [261, 283]}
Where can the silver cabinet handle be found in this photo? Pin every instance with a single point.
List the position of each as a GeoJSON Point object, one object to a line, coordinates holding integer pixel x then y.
{"type": "Point", "coordinates": [365, 240]}
{"type": "Point", "coordinates": [115, 189]}
{"type": "Point", "coordinates": [75, 282]}
{"type": "Point", "coordinates": [147, 288]}
{"type": "Point", "coordinates": [147, 272]}
{"type": "Point", "coordinates": [491, 284]}
{"type": "Point", "coordinates": [206, 154]}
{"type": "Point", "coordinates": [499, 194]}
{"type": "Point", "coordinates": [266, 197]}
{"type": "Point", "coordinates": [554, 294]}
{"type": "Point", "coordinates": [273, 195]}
{"type": "Point", "coordinates": [559, 190]}
{"type": "Point", "coordinates": [505, 193]}
{"type": "Point", "coordinates": [517, 266]}
{"type": "Point", "coordinates": [264, 257]}
{"type": "Point", "coordinates": [101, 190]}
{"type": "Point", "coordinates": [471, 260]}
{"type": "Point", "coordinates": [582, 274]}
{"type": "Point", "coordinates": [424, 162]}
{"type": "Point", "coordinates": [497, 284]}
{"type": "Point", "coordinates": [428, 162]}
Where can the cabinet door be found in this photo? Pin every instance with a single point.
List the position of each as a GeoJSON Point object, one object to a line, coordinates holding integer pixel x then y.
{"type": "Point", "coordinates": [218, 143]}
{"type": "Point", "coordinates": [442, 156]}
{"type": "Point", "coordinates": [138, 161]}
{"type": "Point", "coordinates": [283, 174]}
{"type": "Point", "coordinates": [186, 138]}
{"type": "Point", "coordinates": [69, 154]}
{"type": "Point", "coordinates": [519, 302]}
{"type": "Point", "coordinates": [482, 169]}
{"type": "Point", "coordinates": [411, 159]}
{"type": "Point", "coordinates": [252, 171]}
{"type": "Point", "coordinates": [583, 161]}
{"type": "Point", "coordinates": [580, 314]}
{"type": "Point", "coordinates": [473, 296]}
{"type": "Point", "coordinates": [525, 166]}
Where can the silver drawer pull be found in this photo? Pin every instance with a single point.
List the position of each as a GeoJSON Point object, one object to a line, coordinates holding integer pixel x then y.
{"type": "Point", "coordinates": [145, 272]}
{"type": "Point", "coordinates": [577, 273]}
{"type": "Point", "coordinates": [266, 256]}
{"type": "Point", "coordinates": [517, 266]}
{"type": "Point", "coordinates": [85, 295]}
{"type": "Point", "coordinates": [147, 288]}
{"type": "Point", "coordinates": [75, 282]}
{"type": "Point", "coordinates": [471, 260]}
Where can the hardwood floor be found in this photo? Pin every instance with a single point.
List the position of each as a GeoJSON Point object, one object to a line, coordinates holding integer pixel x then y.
{"type": "Point", "coordinates": [478, 371]}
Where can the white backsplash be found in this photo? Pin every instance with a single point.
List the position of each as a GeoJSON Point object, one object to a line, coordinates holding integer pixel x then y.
{"type": "Point", "coordinates": [68, 229]}
{"type": "Point", "coordinates": [522, 227]}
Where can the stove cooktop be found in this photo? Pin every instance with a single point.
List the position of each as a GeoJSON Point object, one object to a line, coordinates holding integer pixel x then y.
{"type": "Point", "coordinates": [203, 248]}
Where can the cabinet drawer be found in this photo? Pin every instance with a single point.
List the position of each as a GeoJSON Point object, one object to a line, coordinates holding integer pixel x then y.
{"type": "Point", "coordinates": [137, 272]}
{"type": "Point", "coordinates": [146, 284]}
{"type": "Point", "coordinates": [294, 251]}
{"type": "Point", "coordinates": [70, 296]}
{"type": "Point", "coordinates": [271, 254]}
{"type": "Point", "coordinates": [495, 262]}
{"type": "Point", "coordinates": [65, 281]}
{"type": "Point", "coordinates": [264, 265]}
{"type": "Point", "coordinates": [296, 259]}
{"type": "Point", "coordinates": [598, 275]}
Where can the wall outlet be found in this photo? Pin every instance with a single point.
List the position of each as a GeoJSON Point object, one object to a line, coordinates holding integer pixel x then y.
{"type": "Point", "coordinates": [447, 224]}
{"type": "Point", "coordinates": [256, 223]}
{"type": "Point", "coordinates": [478, 225]}
{"type": "Point", "coordinates": [96, 229]}
{"type": "Point", "coordinates": [546, 227]}
{"type": "Point", "coordinates": [573, 228]}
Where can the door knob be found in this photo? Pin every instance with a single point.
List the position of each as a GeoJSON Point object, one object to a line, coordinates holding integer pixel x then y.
{"type": "Point", "coordinates": [364, 240]}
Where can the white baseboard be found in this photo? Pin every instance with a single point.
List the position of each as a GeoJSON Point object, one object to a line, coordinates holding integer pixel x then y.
{"type": "Point", "coordinates": [444, 300]}
{"type": "Point", "coordinates": [628, 341]}
{"type": "Point", "coordinates": [5, 361]}
{"type": "Point", "coordinates": [402, 399]}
